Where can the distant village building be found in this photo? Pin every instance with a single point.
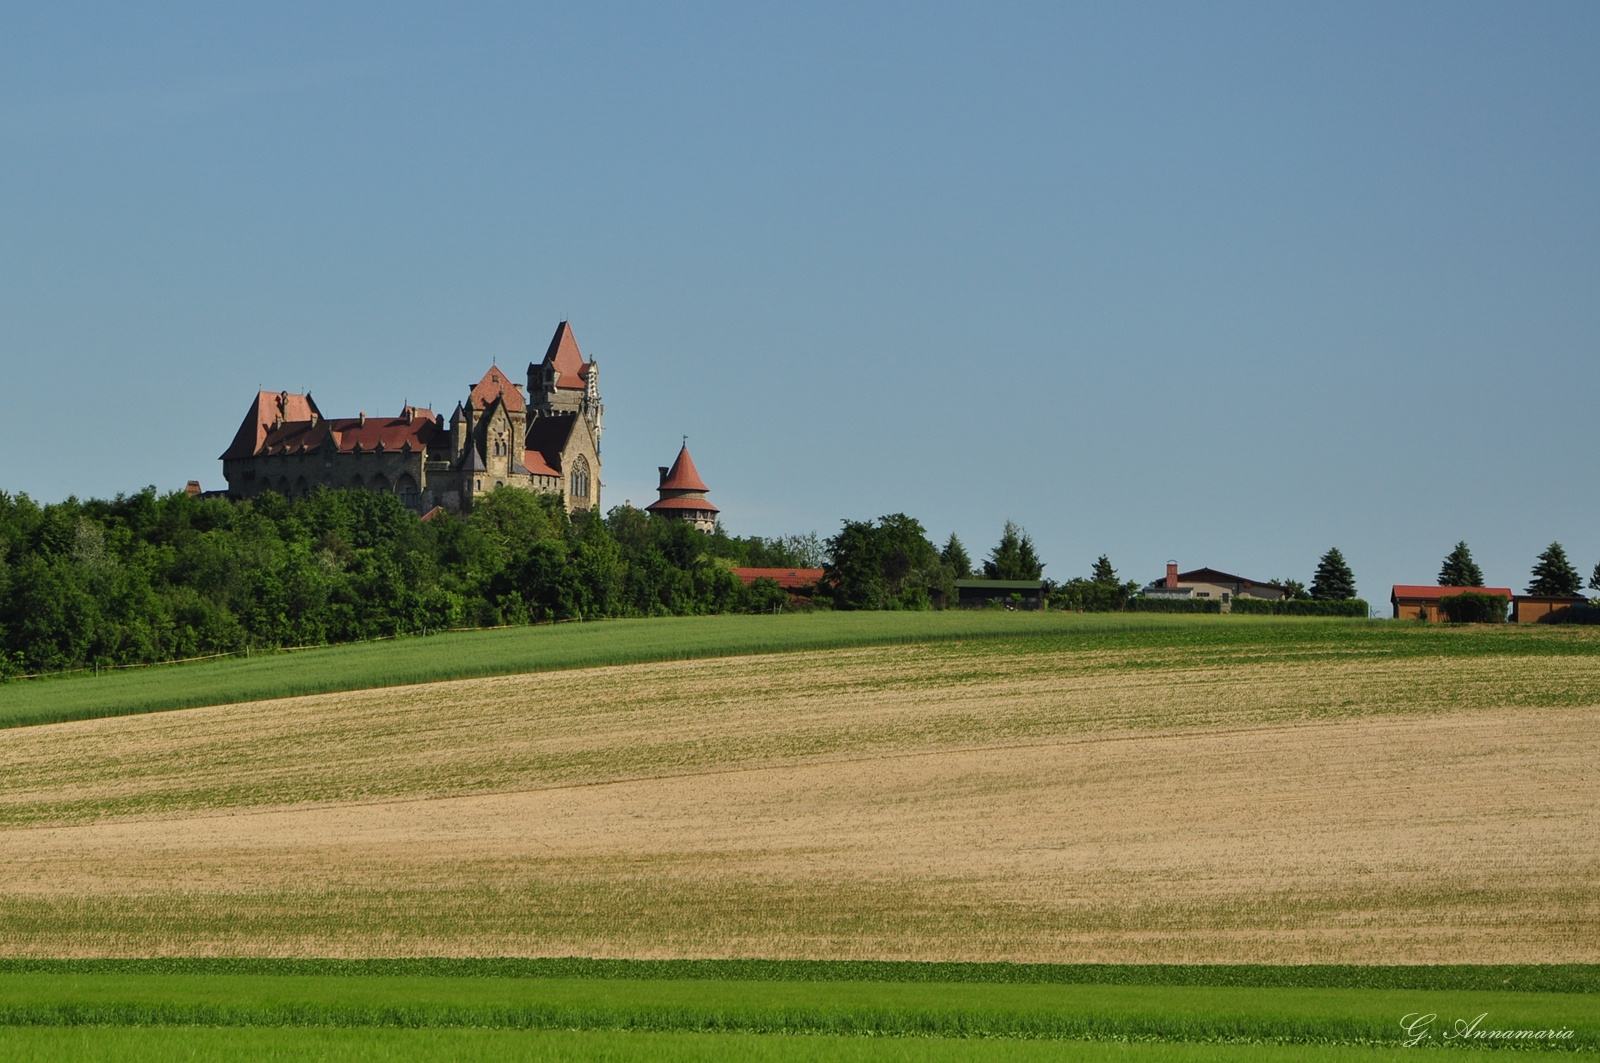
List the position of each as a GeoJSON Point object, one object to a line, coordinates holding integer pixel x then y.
{"type": "Point", "coordinates": [1422, 602]}
{"type": "Point", "coordinates": [1212, 583]}
{"type": "Point", "coordinates": [683, 494]}
{"type": "Point", "coordinates": [548, 441]}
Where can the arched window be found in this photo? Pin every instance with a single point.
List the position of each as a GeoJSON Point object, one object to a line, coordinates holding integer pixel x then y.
{"type": "Point", "coordinates": [380, 483]}
{"type": "Point", "coordinates": [407, 487]}
{"type": "Point", "coordinates": [300, 488]}
{"type": "Point", "coordinates": [356, 483]}
{"type": "Point", "coordinates": [579, 486]}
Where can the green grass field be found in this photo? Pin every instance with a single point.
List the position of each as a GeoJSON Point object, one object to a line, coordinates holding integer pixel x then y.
{"type": "Point", "coordinates": [618, 1010]}
{"type": "Point", "coordinates": [206, 1045]}
{"type": "Point", "coordinates": [461, 655]}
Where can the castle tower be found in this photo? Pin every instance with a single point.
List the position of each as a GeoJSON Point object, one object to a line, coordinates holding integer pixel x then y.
{"type": "Point", "coordinates": [683, 494]}
{"type": "Point", "coordinates": [564, 418]}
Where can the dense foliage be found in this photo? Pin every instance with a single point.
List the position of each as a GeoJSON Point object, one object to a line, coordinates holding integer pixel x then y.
{"type": "Point", "coordinates": [1471, 607]}
{"type": "Point", "coordinates": [151, 577]}
{"type": "Point", "coordinates": [887, 564]}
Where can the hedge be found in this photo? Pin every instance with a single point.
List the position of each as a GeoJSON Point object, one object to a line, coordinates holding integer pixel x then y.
{"type": "Point", "coordinates": [1301, 607]}
{"type": "Point", "coordinates": [1174, 605]}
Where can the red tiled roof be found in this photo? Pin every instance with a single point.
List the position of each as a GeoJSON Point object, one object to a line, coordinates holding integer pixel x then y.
{"type": "Point", "coordinates": [393, 433]}
{"type": "Point", "coordinates": [682, 503]}
{"type": "Point", "coordinates": [434, 512]}
{"type": "Point", "coordinates": [564, 355]}
{"type": "Point", "coordinates": [683, 476]}
{"type": "Point", "coordinates": [1413, 590]}
{"type": "Point", "coordinates": [534, 462]}
{"type": "Point", "coordinates": [264, 413]}
{"type": "Point", "coordinates": [790, 578]}
{"type": "Point", "coordinates": [496, 384]}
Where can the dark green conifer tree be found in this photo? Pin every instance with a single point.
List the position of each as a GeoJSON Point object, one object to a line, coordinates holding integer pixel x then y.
{"type": "Point", "coordinates": [1594, 578]}
{"type": "Point", "coordinates": [1013, 557]}
{"type": "Point", "coordinates": [1334, 582]}
{"type": "Point", "coordinates": [955, 555]}
{"type": "Point", "coordinates": [1103, 572]}
{"type": "Point", "coordinates": [1554, 574]}
{"type": "Point", "coordinates": [1459, 570]}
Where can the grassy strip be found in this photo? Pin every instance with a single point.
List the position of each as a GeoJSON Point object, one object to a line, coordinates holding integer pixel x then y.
{"type": "Point", "coordinates": [464, 655]}
{"type": "Point", "coordinates": [215, 1045]}
{"type": "Point", "coordinates": [1208, 1014]}
{"type": "Point", "coordinates": [1529, 978]}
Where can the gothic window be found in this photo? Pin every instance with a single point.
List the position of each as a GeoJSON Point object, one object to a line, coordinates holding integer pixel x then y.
{"type": "Point", "coordinates": [408, 491]}
{"type": "Point", "coordinates": [579, 487]}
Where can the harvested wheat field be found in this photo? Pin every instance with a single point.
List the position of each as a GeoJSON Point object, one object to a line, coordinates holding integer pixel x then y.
{"type": "Point", "coordinates": [951, 801]}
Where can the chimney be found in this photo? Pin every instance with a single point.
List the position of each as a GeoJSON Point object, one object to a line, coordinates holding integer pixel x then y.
{"type": "Point", "coordinates": [663, 470]}
{"type": "Point", "coordinates": [362, 420]}
{"type": "Point", "coordinates": [1172, 575]}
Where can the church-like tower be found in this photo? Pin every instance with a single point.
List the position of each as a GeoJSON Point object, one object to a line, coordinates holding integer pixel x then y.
{"type": "Point", "coordinates": [683, 494]}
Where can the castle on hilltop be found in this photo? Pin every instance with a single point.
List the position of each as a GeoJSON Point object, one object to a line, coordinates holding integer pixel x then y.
{"type": "Point", "coordinates": [548, 441]}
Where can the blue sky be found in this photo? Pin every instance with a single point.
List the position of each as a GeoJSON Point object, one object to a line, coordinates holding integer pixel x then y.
{"type": "Point", "coordinates": [1228, 284]}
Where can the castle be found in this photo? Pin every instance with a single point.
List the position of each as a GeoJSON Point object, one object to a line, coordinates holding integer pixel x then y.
{"type": "Point", "coordinates": [549, 441]}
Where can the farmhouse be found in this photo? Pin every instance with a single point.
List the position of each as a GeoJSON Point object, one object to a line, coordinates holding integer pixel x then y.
{"type": "Point", "coordinates": [1212, 583]}
{"type": "Point", "coordinates": [548, 441]}
{"type": "Point", "coordinates": [1421, 602]}
{"type": "Point", "coordinates": [1027, 593]}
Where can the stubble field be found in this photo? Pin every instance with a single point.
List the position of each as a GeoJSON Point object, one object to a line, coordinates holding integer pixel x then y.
{"type": "Point", "coordinates": [1254, 800]}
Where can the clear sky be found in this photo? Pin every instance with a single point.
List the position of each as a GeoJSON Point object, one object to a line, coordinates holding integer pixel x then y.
{"type": "Point", "coordinates": [1228, 284]}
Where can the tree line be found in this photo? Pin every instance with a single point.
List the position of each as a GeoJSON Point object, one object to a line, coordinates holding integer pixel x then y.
{"type": "Point", "coordinates": [150, 577]}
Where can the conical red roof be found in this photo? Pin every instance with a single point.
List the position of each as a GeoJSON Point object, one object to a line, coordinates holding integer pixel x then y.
{"type": "Point", "coordinates": [683, 476]}
{"type": "Point", "coordinates": [564, 355]}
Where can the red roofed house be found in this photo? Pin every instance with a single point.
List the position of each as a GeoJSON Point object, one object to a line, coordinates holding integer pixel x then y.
{"type": "Point", "coordinates": [548, 442]}
{"type": "Point", "coordinates": [1417, 602]}
{"type": "Point", "coordinates": [683, 494]}
{"type": "Point", "coordinates": [790, 579]}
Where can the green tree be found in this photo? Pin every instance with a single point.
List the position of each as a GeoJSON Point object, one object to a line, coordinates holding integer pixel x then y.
{"type": "Point", "coordinates": [1594, 578]}
{"type": "Point", "coordinates": [1013, 557]}
{"type": "Point", "coordinates": [887, 564]}
{"type": "Point", "coordinates": [955, 555]}
{"type": "Point", "coordinates": [1294, 589]}
{"type": "Point", "coordinates": [1102, 572]}
{"type": "Point", "coordinates": [1459, 570]}
{"type": "Point", "coordinates": [1553, 573]}
{"type": "Point", "coordinates": [1333, 582]}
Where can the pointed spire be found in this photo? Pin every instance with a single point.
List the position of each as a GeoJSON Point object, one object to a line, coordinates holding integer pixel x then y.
{"type": "Point", "coordinates": [565, 358]}
{"type": "Point", "coordinates": [683, 476]}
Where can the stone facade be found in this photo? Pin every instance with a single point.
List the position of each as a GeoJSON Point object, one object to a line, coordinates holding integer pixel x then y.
{"type": "Point", "coordinates": [547, 441]}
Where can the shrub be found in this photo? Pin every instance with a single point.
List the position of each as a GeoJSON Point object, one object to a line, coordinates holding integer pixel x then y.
{"type": "Point", "coordinates": [1470, 607]}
